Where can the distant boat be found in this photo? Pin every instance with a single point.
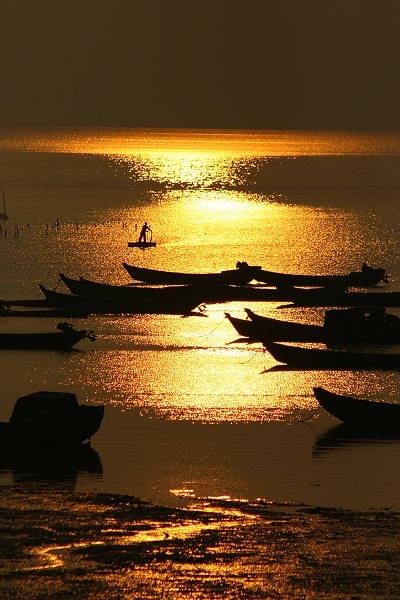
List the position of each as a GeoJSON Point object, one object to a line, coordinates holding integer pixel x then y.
{"type": "Point", "coordinates": [3, 216]}
{"type": "Point", "coordinates": [143, 243]}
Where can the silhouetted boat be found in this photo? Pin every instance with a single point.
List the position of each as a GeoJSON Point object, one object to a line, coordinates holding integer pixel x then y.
{"type": "Point", "coordinates": [241, 275]}
{"type": "Point", "coordinates": [356, 325]}
{"type": "Point", "coordinates": [334, 296]}
{"type": "Point", "coordinates": [6, 310]}
{"type": "Point", "coordinates": [316, 358]}
{"type": "Point", "coordinates": [63, 339]}
{"type": "Point", "coordinates": [141, 244]}
{"type": "Point", "coordinates": [162, 303]}
{"type": "Point", "coordinates": [359, 412]}
{"type": "Point", "coordinates": [207, 293]}
{"type": "Point", "coordinates": [50, 418]}
{"type": "Point", "coordinates": [367, 277]}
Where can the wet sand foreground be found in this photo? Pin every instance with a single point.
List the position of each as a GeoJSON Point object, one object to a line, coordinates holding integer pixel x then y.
{"type": "Point", "coordinates": [61, 544]}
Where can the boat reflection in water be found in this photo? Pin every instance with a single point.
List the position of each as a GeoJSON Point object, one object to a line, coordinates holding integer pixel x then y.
{"type": "Point", "coordinates": [59, 466]}
{"type": "Point", "coordinates": [348, 435]}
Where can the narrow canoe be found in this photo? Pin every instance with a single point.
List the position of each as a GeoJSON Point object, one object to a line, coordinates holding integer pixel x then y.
{"type": "Point", "coordinates": [317, 358]}
{"type": "Point", "coordinates": [357, 411]}
{"type": "Point", "coordinates": [241, 275]}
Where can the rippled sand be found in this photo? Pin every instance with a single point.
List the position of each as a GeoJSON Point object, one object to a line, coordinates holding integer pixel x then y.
{"type": "Point", "coordinates": [60, 544]}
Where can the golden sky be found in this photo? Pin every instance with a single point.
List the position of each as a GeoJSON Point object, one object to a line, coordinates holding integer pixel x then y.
{"type": "Point", "coordinates": [266, 64]}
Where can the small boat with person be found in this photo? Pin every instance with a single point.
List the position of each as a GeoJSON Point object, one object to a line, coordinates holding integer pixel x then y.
{"type": "Point", "coordinates": [143, 242]}
{"type": "Point", "coordinates": [48, 418]}
{"type": "Point", "coordinates": [359, 412]}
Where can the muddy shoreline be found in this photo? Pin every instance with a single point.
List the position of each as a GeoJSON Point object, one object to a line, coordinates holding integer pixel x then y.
{"type": "Point", "coordinates": [60, 544]}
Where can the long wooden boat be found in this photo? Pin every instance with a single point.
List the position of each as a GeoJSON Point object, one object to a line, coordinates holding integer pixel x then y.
{"type": "Point", "coordinates": [206, 293]}
{"type": "Point", "coordinates": [351, 325]}
{"type": "Point", "coordinates": [64, 338]}
{"type": "Point", "coordinates": [357, 411]}
{"type": "Point", "coordinates": [6, 310]}
{"type": "Point", "coordinates": [150, 304]}
{"type": "Point", "coordinates": [241, 275]}
{"type": "Point", "coordinates": [366, 277]}
{"type": "Point", "coordinates": [317, 358]}
{"type": "Point", "coordinates": [333, 296]}
{"type": "Point", "coordinates": [50, 419]}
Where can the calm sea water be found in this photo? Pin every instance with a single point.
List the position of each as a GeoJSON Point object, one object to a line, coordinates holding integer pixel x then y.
{"type": "Point", "coordinates": [191, 412]}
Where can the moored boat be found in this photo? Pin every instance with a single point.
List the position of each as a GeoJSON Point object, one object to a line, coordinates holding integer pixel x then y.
{"type": "Point", "coordinates": [243, 274]}
{"type": "Point", "coordinates": [357, 411]}
{"type": "Point", "coordinates": [182, 304]}
{"type": "Point", "coordinates": [366, 277]}
{"type": "Point", "coordinates": [334, 296]}
{"type": "Point", "coordinates": [318, 358]}
{"type": "Point", "coordinates": [50, 418]}
{"type": "Point", "coordinates": [7, 310]}
{"type": "Point", "coordinates": [63, 339]}
{"type": "Point", "coordinates": [370, 325]}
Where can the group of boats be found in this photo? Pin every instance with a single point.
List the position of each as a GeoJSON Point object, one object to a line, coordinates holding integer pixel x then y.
{"type": "Point", "coordinates": [362, 320]}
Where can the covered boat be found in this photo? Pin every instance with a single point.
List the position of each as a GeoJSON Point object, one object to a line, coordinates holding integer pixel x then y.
{"type": "Point", "coordinates": [318, 358]}
{"type": "Point", "coordinates": [50, 418]}
{"type": "Point", "coordinates": [370, 325]}
{"type": "Point", "coordinates": [241, 275]}
{"type": "Point", "coordinates": [357, 411]}
{"type": "Point", "coordinates": [63, 339]}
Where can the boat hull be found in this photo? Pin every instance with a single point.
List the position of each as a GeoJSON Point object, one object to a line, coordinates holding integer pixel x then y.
{"type": "Point", "coordinates": [239, 276]}
{"type": "Point", "coordinates": [54, 340]}
{"type": "Point", "coordinates": [357, 411]}
{"type": "Point", "coordinates": [316, 358]}
{"type": "Point", "coordinates": [349, 328]}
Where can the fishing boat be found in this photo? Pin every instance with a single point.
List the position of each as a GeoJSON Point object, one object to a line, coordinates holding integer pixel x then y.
{"type": "Point", "coordinates": [337, 296]}
{"type": "Point", "coordinates": [180, 303]}
{"type": "Point", "coordinates": [207, 293]}
{"type": "Point", "coordinates": [50, 419]}
{"type": "Point", "coordinates": [372, 325]}
{"type": "Point", "coordinates": [64, 338]}
{"type": "Point", "coordinates": [6, 310]}
{"type": "Point", "coordinates": [149, 244]}
{"type": "Point", "coordinates": [143, 242]}
{"type": "Point", "coordinates": [366, 277]}
{"type": "Point", "coordinates": [241, 275]}
{"type": "Point", "coordinates": [318, 358]}
{"type": "Point", "coordinates": [357, 411]}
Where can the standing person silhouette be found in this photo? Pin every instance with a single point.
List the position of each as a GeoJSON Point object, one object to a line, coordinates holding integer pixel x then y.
{"type": "Point", "coordinates": [144, 230]}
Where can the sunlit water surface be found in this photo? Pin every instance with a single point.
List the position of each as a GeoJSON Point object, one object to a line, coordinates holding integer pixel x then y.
{"type": "Point", "coordinates": [191, 411]}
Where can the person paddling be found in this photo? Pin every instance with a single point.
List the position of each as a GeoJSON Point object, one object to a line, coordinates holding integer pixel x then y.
{"type": "Point", "coordinates": [144, 230]}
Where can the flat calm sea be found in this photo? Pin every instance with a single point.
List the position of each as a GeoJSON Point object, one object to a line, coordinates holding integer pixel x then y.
{"type": "Point", "coordinates": [190, 411]}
